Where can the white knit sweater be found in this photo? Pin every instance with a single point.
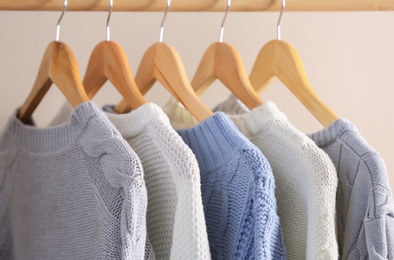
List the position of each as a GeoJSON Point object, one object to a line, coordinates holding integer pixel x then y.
{"type": "Point", "coordinates": [305, 177]}
{"type": "Point", "coordinates": [175, 218]}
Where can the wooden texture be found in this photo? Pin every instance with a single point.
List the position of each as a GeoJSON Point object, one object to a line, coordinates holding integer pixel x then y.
{"type": "Point", "coordinates": [58, 66]}
{"type": "Point", "coordinates": [161, 62]}
{"type": "Point", "coordinates": [278, 59]}
{"type": "Point", "coordinates": [222, 61]}
{"type": "Point", "coordinates": [108, 61]}
{"type": "Point", "coordinates": [201, 5]}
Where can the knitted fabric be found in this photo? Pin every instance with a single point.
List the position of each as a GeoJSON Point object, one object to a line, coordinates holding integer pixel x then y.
{"type": "Point", "coordinates": [181, 118]}
{"type": "Point", "coordinates": [175, 218]}
{"type": "Point", "coordinates": [305, 177]}
{"type": "Point", "coordinates": [238, 192]}
{"type": "Point", "coordinates": [73, 191]}
{"type": "Point", "coordinates": [232, 105]}
{"type": "Point", "coordinates": [365, 208]}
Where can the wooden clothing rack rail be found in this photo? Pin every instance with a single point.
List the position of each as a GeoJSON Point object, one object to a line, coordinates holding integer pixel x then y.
{"type": "Point", "coordinates": [199, 5]}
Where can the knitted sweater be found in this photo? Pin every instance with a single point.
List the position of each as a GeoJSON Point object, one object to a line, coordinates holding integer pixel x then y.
{"type": "Point", "coordinates": [365, 221]}
{"type": "Point", "coordinates": [175, 218]}
{"type": "Point", "coordinates": [305, 176]}
{"type": "Point", "coordinates": [365, 208]}
{"type": "Point", "coordinates": [73, 191]}
{"type": "Point", "coordinates": [238, 192]}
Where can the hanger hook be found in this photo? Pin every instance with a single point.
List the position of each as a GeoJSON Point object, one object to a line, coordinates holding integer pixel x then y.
{"type": "Point", "coordinates": [162, 22]}
{"type": "Point", "coordinates": [60, 19]}
{"type": "Point", "coordinates": [224, 19]}
{"type": "Point", "coordinates": [111, 4]}
{"type": "Point", "coordinates": [279, 32]}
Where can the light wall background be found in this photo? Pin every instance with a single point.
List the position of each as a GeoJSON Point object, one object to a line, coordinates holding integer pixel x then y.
{"type": "Point", "coordinates": [348, 56]}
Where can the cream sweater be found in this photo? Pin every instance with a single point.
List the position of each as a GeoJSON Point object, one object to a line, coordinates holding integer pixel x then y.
{"type": "Point", "coordinates": [175, 218]}
{"type": "Point", "coordinates": [305, 177]}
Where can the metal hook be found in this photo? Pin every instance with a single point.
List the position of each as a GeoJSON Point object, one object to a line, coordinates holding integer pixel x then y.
{"type": "Point", "coordinates": [60, 19]}
{"type": "Point", "coordinates": [111, 4]}
{"type": "Point", "coordinates": [162, 22]}
{"type": "Point", "coordinates": [224, 19]}
{"type": "Point", "coordinates": [279, 32]}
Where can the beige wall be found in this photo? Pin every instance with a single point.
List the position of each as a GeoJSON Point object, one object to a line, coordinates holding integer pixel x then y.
{"type": "Point", "coordinates": [349, 58]}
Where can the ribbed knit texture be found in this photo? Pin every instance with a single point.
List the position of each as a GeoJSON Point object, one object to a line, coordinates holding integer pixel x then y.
{"type": "Point", "coordinates": [238, 192]}
{"type": "Point", "coordinates": [305, 177]}
{"type": "Point", "coordinates": [365, 208]}
{"type": "Point", "coordinates": [175, 218]}
{"type": "Point", "coordinates": [73, 191]}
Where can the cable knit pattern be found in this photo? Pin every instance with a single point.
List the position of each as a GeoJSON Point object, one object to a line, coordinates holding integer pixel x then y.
{"type": "Point", "coordinates": [305, 176]}
{"type": "Point", "coordinates": [73, 191]}
{"type": "Point", "coordinates": [238, 192]}
{"type": "Point", "coordinates": [175, 217]}
{"type": "Point", "coordinates": [365, 207]}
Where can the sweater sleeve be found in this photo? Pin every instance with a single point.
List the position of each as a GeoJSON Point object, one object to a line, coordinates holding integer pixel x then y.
{"type": "Point", "coordinates": [380, 237]}
{"type": "Point", "coordinates": [122, 191]}
{"type": "Point", "coordinates": [378, 222]}
{"type": "Point", "coordinates": [268, 239]}
{"type": "Point", "coordinates": [321, 242]}
{"type": "Point", "coordinates": [5, 237]}
{"type": "Point", "coordinates": [133, 210]}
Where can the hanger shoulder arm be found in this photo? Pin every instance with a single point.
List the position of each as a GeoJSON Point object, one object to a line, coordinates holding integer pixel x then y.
{"type": "Point", "coordinates": [171, 73]}
{"type": "Point", "coordinates": [58, 66]}
{"type": "Point", "coordinates": [205, 73]}
{"type": "Point", "coordinates": [230, 70]}
{"type": "Point", "coordinates": [145, 74]}
{"type": "Point", "coordinates": [118, 71]}
{"type": "Point", "coordinates": [109, 61]}
{"type": "Point", "coordinates": [291, 72]}
{"type": "Point", "coordinates": [64, 72]}
{"type": "Point", "coordinates": [144, 78]}
{"type": "Point", "coordinates": [94, 77]}
{"type": "Point", "coordinates": [263, 71]}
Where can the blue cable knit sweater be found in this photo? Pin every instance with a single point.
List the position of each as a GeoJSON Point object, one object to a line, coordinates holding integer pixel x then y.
{"type": "Point", "coordinates": [238, 192]}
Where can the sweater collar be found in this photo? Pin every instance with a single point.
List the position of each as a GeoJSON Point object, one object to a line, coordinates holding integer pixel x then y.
{"type": "Point", "coordinates": [214, 141]}
{"type": "Point", "coordinates": [133, 123]}
{"type": "Point", "coordinates": [250, 123]}
{"type": "Point", "coordinates": [258, 120]}
{"type": "Point", "coordinates": [331, 133]}
{"type": "Point", "coordinates": [32, 138]}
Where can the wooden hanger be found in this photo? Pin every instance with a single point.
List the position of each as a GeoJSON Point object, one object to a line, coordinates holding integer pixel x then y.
{"type": "Point", "coordinates": [278, 59]}
{"type": "Point", "coordinates": [222, 61]}
{"type": "Point", "coordinates": [58, 66]}
{"type": "Point", "coordinates": [108, 61]}
{"type": "Point", "coordinates": [162, 62]}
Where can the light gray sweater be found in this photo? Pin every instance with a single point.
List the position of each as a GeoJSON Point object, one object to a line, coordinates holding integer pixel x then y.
{"type": "Point", "coordinates": [365, 208]}
{"type": "Point", "coordinates": [175, 217]}
{"type": "Point", "coordinates": [73, 191]}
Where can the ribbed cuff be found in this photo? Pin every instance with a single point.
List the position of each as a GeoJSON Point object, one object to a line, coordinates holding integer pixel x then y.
{"type": "Point", "coordinates": [215, 141]}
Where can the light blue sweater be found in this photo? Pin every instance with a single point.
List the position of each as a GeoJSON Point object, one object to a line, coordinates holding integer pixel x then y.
{"type": "Point", "coordinates": [365, 208]}
{"type": "Point", "coordinates": [238, 192]}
